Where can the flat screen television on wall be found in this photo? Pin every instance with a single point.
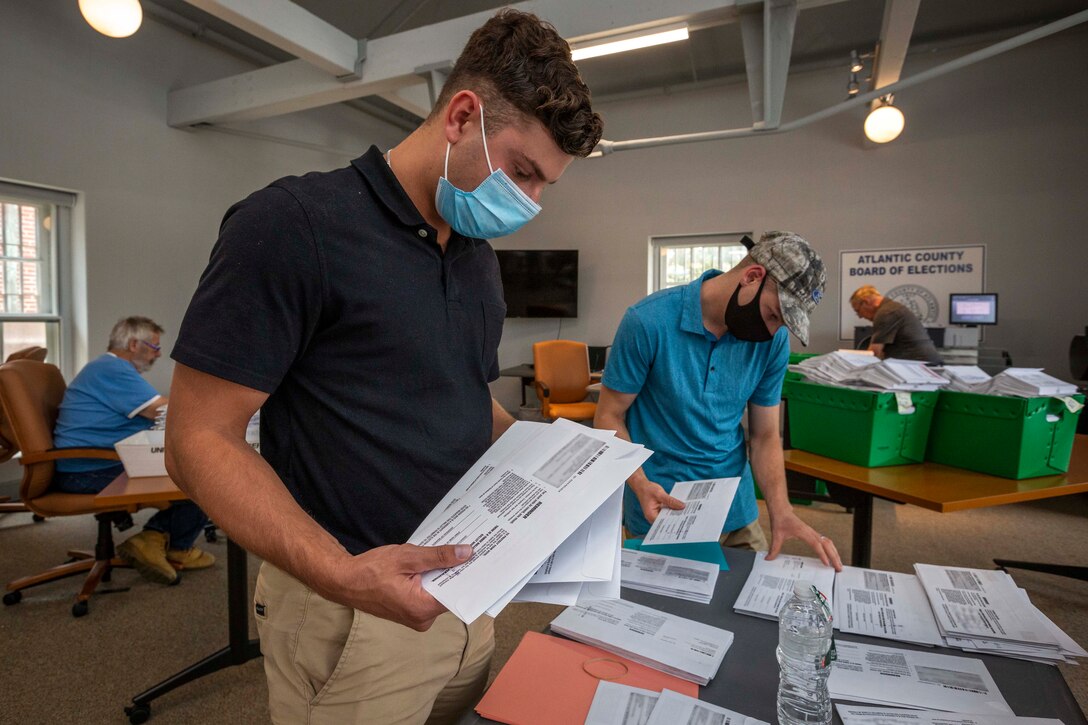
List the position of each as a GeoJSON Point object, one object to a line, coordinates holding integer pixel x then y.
{"type": "Point", "coordinates": [539, 282]}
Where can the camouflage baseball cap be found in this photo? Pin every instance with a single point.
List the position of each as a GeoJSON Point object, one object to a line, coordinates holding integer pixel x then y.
{"type": "Point", "coordinates": [799, 272]}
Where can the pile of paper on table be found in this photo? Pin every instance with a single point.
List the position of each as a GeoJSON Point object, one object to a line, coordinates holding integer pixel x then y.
{"type": "Point", "coordinates": [868, 715]}
{"type": "Point", "coordinates": [890, 676]}
{"type": "Point", "coordinates": [770, 584]}
{"type": "Point", "coordinates": [866, 372]}
{"type": "Point", "coordinates": [681, 647]}
{"type": "Point", "coordinates": [616, 704]}
{"type": "Point", "coordinates": [884, 604]}
{"type": "Point", "coordinates": [669, 576]}
{"type": "Point", "coordinates": [537, 487]}
{"type": "Point", "coordinates": [982, 610]}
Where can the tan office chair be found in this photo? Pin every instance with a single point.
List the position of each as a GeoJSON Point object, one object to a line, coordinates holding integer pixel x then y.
{"type": "Point", "coordinates": [562, 375]}
{"type": "Point", "coordinates": [7, 438]}
{"type": "Point", "coordinates": [30, 394]}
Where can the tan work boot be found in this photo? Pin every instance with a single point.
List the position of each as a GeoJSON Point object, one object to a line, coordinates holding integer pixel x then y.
{"type": "Point", "coordinates": [146, 551]}
{"type": "Point", "coordinates": [193, 558]}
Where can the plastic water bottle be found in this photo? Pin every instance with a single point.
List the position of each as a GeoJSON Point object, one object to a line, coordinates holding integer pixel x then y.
{"type": "Point", "coordinates": [804, 642]}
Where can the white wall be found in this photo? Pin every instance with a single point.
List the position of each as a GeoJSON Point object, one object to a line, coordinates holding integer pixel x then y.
{"type": "Point", "coordinates": [84, 112]}
{"type": "Point", "coordinates": [994, 154]}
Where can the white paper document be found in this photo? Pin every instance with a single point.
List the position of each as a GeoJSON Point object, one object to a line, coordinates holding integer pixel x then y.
{"type": "Point", "coordinates": [706, 504]}
{"type": "Point", "coordinates": [889, 676]}
{"type": "Point", "coordinates": [884, 604]}
{"type": "Point", "coordinates": [868, 715]}
{"type": "Point", "coordinates": [672, 708]}
{"type": "Point", "coordinates": [982, 604]}
{"type": "Point", "coordinates": [516, 508]}
{"type": "Point", "coordinates": [682, 647]}
{"type": "Point", "coordinates": [770, 585]}
{"type": "Point", "coordinates": [669, 576]}
{"type": "Point", "coordinates": [616, 704]}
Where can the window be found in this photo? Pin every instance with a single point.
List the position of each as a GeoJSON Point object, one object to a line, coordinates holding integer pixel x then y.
{"type": "Point", "coordinates": [32, 220]}
{"type": "Point", "coordinates": [679, 259]}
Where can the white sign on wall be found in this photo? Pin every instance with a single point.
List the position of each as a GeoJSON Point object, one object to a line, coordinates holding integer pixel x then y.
{"type": "Point", "coordinates": [921, 278]}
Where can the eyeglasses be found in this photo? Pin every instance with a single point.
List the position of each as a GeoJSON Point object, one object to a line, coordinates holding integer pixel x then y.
{"type": "Point", "coordinates": [153, 346]}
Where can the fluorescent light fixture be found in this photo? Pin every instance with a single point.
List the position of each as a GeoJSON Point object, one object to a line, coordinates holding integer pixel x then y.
{"type": "Point", "coordinates": [630, 42]}
{"type": "Point", "coordinates": [114, 18]}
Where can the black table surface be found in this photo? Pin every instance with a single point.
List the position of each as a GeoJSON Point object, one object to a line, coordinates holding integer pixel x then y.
{"type": "Point", "coordinates": [747, 681]}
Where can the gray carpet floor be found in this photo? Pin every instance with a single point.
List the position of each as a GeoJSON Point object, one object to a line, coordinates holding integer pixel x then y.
{"type": "Point", "coordinates": [65, 670]}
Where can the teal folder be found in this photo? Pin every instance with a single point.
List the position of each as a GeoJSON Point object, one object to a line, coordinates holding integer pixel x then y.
{"type": "Point", "coordinates": [708, 551]}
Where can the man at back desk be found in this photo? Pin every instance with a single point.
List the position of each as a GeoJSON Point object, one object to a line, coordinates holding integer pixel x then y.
{"type": "Point", "coordinates": [897, 332]}
{"type": "Point", "coordinates": [108, 401]}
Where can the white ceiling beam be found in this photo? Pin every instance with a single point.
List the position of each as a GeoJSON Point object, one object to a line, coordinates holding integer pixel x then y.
{"type": "Point", "coordinates": [895, 32]}
{"type": "Point", "coordinates": [393, 61]}
{"type": "Point", "coordinates": [767, 35]}
{"type": "Point", "coordinates": [414, 99]}
{"type": "Point", "coordinates": [779, 20]}
{"type": "Point", "coordinates": [292, 29]}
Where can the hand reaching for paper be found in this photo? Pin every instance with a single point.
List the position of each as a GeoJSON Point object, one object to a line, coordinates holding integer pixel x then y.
{"type": "Point", "coordinates": [386, 582]}
{"type": "Point", "coordinates": [653, 498]}
{"type": "Point", "coordinates": [788, 526]}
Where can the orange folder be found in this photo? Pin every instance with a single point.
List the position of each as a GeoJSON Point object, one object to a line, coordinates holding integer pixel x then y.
{"type": "Point", "coordinates": [546, 681]}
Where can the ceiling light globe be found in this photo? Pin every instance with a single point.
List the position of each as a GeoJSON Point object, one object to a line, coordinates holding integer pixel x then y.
{"type": "Point", "coordinates": [884, 124]}
{"type": "Point", "coordinates": [114, 18]}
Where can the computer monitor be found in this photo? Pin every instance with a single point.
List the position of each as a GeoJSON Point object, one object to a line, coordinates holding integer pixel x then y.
{"type": "Point", "coordinates": [972, 309]}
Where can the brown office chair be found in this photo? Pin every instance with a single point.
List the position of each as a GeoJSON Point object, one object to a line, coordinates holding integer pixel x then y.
{"type": "Point", "coordinates": [7, 438]}
{"type": "Point", "coordinates": [30, 394]}
{"type": "Point", "coordinates": [562, 375]}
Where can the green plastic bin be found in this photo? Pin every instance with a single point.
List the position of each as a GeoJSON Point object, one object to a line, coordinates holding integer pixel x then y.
{"type": "Point", "coordinates": [858, 426]}
{"type": "Point", "coordinates": [1007, 437]}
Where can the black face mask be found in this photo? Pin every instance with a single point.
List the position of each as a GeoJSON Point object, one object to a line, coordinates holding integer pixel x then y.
{"type": "Point", "coordinates": [745, 321]}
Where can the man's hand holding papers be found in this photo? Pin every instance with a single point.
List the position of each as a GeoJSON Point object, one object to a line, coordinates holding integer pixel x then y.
{"type": "Point", "coordinates": [518, 505]}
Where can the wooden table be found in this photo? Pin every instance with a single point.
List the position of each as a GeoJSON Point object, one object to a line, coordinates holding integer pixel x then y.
{"type": "Point", "coordinates": [124, 491]}
{"type": "Point", "coordinates": [930, 485]}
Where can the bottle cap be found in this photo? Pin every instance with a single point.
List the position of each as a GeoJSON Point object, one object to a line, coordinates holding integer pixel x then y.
{"type": "Point", "coordinates": [803, 588]}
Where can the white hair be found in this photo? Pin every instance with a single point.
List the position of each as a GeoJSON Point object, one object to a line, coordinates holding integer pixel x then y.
{"type": "Point", "coordinates": [132, 328]}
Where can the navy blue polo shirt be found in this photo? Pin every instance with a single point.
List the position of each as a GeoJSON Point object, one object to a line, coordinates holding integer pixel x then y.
{"type": "Point", "coordinates": [330, 293]}
{"type": "Point", "coordinates": [693, 389]}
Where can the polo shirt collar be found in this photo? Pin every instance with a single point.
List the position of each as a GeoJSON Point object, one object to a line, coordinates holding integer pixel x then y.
{"type": "Point", "coordinates": [691, 320]}
{"type": "Point", "coordinates": [375, 169]}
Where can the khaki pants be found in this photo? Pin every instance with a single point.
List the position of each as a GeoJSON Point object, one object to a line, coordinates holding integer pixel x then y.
{"type": "Point", "coordinates": [750, 537]}
{"type": "Point", "coordinates": [329, 664]}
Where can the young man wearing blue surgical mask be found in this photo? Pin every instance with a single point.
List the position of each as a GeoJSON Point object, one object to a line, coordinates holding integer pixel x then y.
{"type": "Point", "coordinates": [362, 310]}
{"type": "Point", "coordinates": [688, 362]}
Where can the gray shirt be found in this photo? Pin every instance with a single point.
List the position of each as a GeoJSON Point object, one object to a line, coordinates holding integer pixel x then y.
{"type": "Point", "coordinates": [901, 333]}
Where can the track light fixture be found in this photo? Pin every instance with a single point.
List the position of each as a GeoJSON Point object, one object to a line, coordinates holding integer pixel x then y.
{"type": "Point", "coordinates": [855, 62]}
{"type": "Point", "coordinates": [113, 18]}
{"type": "Point", "coordinates": [885, 122]}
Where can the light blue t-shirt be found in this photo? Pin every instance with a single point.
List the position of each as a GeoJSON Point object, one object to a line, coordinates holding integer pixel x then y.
{"type": "Point", "coordinates": [692, 391]}
{"type": "Point", "coordinates": [101, 407]}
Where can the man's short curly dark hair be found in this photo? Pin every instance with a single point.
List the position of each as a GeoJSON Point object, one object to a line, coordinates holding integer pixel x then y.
{"type": "Point", "coordinates": [516, 62]}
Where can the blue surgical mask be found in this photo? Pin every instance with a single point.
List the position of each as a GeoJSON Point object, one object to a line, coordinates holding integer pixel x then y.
{"type": "Point", "coordinates": [496, 208]}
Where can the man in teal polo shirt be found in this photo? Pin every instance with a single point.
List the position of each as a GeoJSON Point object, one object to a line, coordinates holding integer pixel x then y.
{"type": "Point", "coordinates": [686, 364]}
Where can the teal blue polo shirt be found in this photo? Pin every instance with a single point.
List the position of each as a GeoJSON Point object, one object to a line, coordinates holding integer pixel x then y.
{"type": "Point", "coordinates": [692, 391]}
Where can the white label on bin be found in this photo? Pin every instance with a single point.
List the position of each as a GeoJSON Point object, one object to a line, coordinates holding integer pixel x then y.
{"type": "Point", "coordinates": [1071, 403]}
{"type": "Point", "coordinates": [903, 400]}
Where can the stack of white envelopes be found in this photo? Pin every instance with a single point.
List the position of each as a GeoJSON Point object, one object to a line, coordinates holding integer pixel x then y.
{"type": "Point", "coordinates": [617, 704]}
{"type": "Point", "coordinates": [542, 510]}
{"type": "Point", "coordinates": [982, 610]}
{"type": "Point", "coordinates": [669, 576]}
{"type": "Point", "coordinates": [770, 585]}
{"type": "Point", "coordinates": [886, 604]}
{"type": "Point", "coordinates": [680, 647]}
{"type": "Point", "coordinates": [866, 372]}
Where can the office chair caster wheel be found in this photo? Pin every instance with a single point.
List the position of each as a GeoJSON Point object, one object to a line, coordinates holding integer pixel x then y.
{"type": "Point", "coordinates": [80, 609]}
{"type": "Point", "coordinates": [138, 714]}
{"type": "Point", "coordinates": [12, 598]}
{"type": "Point", "coordinates": [37, 519]}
